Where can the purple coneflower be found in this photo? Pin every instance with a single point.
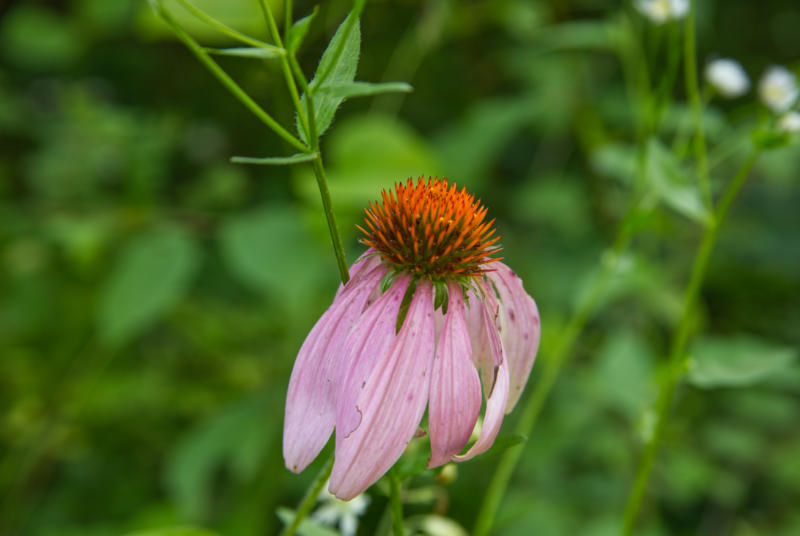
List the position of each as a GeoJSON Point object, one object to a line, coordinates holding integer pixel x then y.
{"type": "Point", "coordinates": [428, 319]}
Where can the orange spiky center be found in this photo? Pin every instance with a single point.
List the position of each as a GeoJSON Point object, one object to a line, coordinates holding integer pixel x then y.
{"type": "Point", "coordinates": [431, 229]}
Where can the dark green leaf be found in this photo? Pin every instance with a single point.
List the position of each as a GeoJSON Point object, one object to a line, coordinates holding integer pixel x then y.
{"type": "Point", "coordinates": [299, 31]}
{"type": "Point", "coordinates": [275, 160]}
{"type": "Point", "coordinates": [363, 89]}
{"type": "Point", "coordinates": [736, 361]}
{"type": "Point", "coordinates": [263, 53]}
{"type": "Point", "coordinates": [337, 67]}
{"type": "Point", "coordinates": [150, 276]}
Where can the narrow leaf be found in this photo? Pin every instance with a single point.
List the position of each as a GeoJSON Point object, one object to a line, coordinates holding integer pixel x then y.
{"type": "Point", "coordinates": [336, 67]}
{"type": "Point", "coordinates": [736, 361]}
{"type": "Point", "coordinates": [363, 89]}
{"type": "Point", "coordinates": [299, 30]}
{"type": "Point", "coordinates": [672, 184]}
{"type": "Point", "coordinates": [275, 160]}
{"type": "Point", "coordinates": [262, 53]}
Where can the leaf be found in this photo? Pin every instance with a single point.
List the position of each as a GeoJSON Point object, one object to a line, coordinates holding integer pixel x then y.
{"type": "Point", "coordinates": [337, 67]}
{"type": "Point", "coordinates": [299, 30]}
{"type": "Point", "coordinates": [263, 53]}
{"type": "Point", "coordinates": [175, 531]}
{"type": "Point", "coordinates": [272, 251]}
{"type": "Point", "coordinates": [736, 361]}
{"type": "Point", "coordinates": [363, 89]}
{"type": "Point", "coordinates": [307, 526]}
{"type": "Point", "coordinates": [150, 276]}
{"type": "Point", "coordinates": [275, 160]}
{"type": "Point", "coordinates": [235, 438]}
{"type": "Point", "coordinates": [672, 185]}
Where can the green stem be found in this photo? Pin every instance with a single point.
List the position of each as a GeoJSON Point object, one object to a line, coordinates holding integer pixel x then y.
{"type": "Point", "coordinates": [396, 504]}
{"type": "Point", "coordinates": [229, 83]}
{"type": "Point", "coordinates": [552, 370]}
{"type": "Point", "coordinates": [285, 66]}
{"type": "Point", "coordinates": [676, 365]}
{"type": "Point", "coordinates": [322, 183]}
{"type": "Point", "coordinates": [219, 26]}
{"type": "Point", "coordinates": [310, 498]}
{"type": "Point", "coordinates": [693, 92]}
{"type": "Point", "coordinates": [287, 18]}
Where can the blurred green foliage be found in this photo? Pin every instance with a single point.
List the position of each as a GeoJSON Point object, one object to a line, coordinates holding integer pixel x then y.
{"type": "Point", "coordinates": [153, 295]}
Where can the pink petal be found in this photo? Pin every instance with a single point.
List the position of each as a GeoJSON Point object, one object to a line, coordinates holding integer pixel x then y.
{"type": "Point", "coordinates": [391, 403]}
{"type": "Point", "coordinates": [495, 405]}
{"type": "Point", "coordinates": [455, 397]}
{"type": "Point", "coordinates": [482, 316]}
{"type": "Point", "coordinates": [310, 401]}
{"type": "Point", "coordinates": [520, 327]}
{"type": "Point", "coordinates": [362, 267]}
{"type": "Point", "coordinates": [369, 340]}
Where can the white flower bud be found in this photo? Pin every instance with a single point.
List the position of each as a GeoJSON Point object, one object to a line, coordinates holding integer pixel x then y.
{"type": "Point", "coordinates": [778, 89]}
{"type": "Point", "coordinates": [789, 122]}
{"type": "Point", "coordinates": [728, 78]}
{"type": "Point", "coordinates": [661, 11]}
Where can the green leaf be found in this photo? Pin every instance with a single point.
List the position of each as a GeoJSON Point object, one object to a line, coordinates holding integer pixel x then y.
{"type": "Point", "coordinates": [150, 276]}
{"type": "Point", "coordinates": [234, 439]}
{"type": "Point", "coordinates": [175, 531]}
{"type": "Point", "coordinates": [262, 53]}
{"type": "Point", "coordinates": [736, 361]}
{"type": "Point", "coordinates": [275, 160]}
{"type": "Point", "coordinates": [299, 30]}
{"type": "Point", "coordinates": [363, 89]}
{"type": "Point", "coordinates": [672, 185]}
{"type": "Point", "coordinates": [272, 251]}
{"type": "Point", "coordinates": [337, 67]}
{"type": "Point", "coordinates": [307, 526]}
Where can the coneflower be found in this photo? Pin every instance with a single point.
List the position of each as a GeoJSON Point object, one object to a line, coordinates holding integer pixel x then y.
{"type": "Point", "coordinates": [430, 318]}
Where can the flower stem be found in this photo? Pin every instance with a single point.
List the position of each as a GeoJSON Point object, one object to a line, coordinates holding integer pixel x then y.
{"type": "Point", "coordinates": [693, 92]}
{"type": "Point", "coordinates": [552, 369]}
{"type": "Point", "coordinates": [220, 27]}
{"type": "Point", "coordinates": [310, 498]}
{"type": "Point", "coordinates": [396, 504]}
{"type": "Point", "coordinates": [322, 183]}
{"type": "Point", "coordinates": [676, 364]}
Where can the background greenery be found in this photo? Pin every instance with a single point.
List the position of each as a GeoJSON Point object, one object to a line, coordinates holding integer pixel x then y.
{"type": "Point", "coordinates": [153, 295]}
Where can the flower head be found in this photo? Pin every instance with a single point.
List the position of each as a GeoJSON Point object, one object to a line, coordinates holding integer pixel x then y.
{"type": "Point", "coordinates": [778, 88]}
{"type": "Point", "coordinates": [429, 320]}
{"type": "Point", "coordinates": [789, 122]}
{"type": "Point", "coordinates": [661, 11]}
{"type": "Point", "coordinates": [728, 77]}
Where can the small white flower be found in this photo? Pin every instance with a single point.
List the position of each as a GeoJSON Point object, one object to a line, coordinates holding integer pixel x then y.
{"type": "Point", "coordinates": [345, 514]}
{"type": "Point", "coordinates": [789, 122]}
{"type": "Point", "coordinates": [778, 88]}
{"type": "Point", "coordinates": [661, 11]}
{"type": "Point", "coordinates": [728, 77]}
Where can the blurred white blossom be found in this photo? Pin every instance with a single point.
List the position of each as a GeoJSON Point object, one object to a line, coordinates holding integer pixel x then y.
{"type": "Point", "coordinates": [335, 512]}
{"type": "Point", "coordinates": [778, 88]}
{"type": "Point", "coordinates": [789, 122]}
{"type": "Point", "coordinates": [661, 11]}
{"type": "Point", "coordinates": [728, 77]}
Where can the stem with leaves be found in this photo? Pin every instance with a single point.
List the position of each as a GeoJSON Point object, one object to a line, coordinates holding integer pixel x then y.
{"type": "Point", "coordinates": [695, 100]}
{"type": "Point", "coordinates": [310, 498]}
{"type": "Point", "coordinates": [676, 366]}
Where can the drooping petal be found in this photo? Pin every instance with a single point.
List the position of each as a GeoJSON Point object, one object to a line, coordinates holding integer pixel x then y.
{"type": "Point", "coordinates": [368, 261]}
{"type": "Point", "coordinates": [455, 397]}
{"type": "Point", "coordinates": [391, 403]}
{"type": "Point", "coordinates": [482, 324]}
{"type": "Point", "coordinates": [495, 403]}
{"type": "Point", "coordinates": [368, 341]}
{"type": "Point", "coordinates": [310, 401]}
{"type": "Point", "coordinates": [520, 328]}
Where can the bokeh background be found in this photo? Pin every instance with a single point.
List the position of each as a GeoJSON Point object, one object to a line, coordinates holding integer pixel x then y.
{"type": "Point", "coordinates": [153, 295]}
